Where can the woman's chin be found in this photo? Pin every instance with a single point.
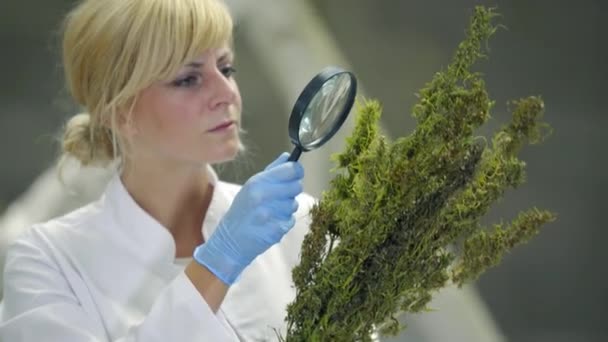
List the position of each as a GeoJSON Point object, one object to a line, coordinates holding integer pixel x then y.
{"type": "Point", "coordinates": [226, 154]}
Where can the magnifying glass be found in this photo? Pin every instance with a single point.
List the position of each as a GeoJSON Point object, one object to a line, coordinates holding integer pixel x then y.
{"type": "Point", "coordinates": [321, 109]}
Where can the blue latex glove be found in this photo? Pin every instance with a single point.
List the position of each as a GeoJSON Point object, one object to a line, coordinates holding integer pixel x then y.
{"type": "Point", "coordinates": [261, 213]}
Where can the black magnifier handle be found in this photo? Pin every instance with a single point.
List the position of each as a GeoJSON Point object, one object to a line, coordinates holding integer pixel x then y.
{"type": "Point", "coordinates": [295, 154]}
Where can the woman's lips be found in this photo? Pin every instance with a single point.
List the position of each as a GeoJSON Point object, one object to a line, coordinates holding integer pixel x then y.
{"type": "Point", "coordinates": [221, 127]}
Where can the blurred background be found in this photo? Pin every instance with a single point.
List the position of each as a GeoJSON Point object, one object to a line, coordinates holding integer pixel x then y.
{"type": "Point", "coordinates": [554, 288]}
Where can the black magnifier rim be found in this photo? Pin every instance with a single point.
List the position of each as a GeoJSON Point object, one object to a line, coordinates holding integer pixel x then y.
{"type": "Point", "coordinates": [311, 89]}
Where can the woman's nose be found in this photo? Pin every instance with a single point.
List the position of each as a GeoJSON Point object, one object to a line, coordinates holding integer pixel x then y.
{"type": "Point", "coordinates": [224, 90]}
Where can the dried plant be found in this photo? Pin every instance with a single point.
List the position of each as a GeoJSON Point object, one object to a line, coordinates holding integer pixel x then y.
{"type": "Point", "coordinates": [402, 219]}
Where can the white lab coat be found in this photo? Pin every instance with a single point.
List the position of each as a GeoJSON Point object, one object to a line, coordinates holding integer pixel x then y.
{"type": "Point", "coordinates": [107, 272]}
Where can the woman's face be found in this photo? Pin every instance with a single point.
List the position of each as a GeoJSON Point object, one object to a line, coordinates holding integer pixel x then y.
{"type": "Point", "coordinates": [193, 118]}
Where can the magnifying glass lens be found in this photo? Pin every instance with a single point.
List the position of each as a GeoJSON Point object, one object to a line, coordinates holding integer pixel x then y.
{"type": "Point", "coordinates": [326, 107]}
{"type": "Point", "coordinates": [321, 109]}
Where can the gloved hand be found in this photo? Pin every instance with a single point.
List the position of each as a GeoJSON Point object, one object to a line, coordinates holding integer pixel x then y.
{"type": "Point", "coordinates": [261, 213]}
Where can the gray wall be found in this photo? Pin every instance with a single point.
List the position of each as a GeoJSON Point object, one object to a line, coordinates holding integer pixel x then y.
{"type": "Point", "coordinates": [552, 289]}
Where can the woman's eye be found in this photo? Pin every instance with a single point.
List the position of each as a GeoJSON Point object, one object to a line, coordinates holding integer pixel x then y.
{"type": "Point", "coordinates": [228, 71]}
{"type": "Point", "coordinates": [188, 81]}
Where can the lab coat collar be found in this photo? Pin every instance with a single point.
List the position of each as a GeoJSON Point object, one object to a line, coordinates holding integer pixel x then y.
{"type": "Point", "coordinates": [144, 233]}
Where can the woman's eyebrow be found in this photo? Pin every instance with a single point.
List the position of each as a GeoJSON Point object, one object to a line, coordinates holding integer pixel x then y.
{"type": "Point", "coordinates": [227, 56]}
{"type": "Point", "coordinates": [194, 65]}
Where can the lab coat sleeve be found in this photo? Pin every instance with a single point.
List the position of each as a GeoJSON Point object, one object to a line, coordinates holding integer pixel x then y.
{"type": "Point", "coordinates": [40, 305]}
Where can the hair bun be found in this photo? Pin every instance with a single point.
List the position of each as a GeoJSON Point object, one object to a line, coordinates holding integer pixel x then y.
{"type": "Point", "coordinates": [80, 142]}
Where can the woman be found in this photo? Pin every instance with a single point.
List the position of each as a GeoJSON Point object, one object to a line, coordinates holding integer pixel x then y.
{"type": "Point", "coordinates": [169, 252]}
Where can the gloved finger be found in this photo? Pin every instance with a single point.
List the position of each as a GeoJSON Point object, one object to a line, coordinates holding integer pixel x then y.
{"type": "Point", "coordinates": [288, 224]}
{"type": "Point", "coordinates": [274, 211]}
{"type": "Point", "coordinates": [275, 191]}
{"type": "Point", "coordinates": [274, 231]}
{"type": "Point", "coordinates": [284, 172]}
{"type": "Point", "coordinates": [258, 195]}
{"type": "Point", "coordinates": [282, 158]}
{"type": "Point", "coordinates": [283, 210]}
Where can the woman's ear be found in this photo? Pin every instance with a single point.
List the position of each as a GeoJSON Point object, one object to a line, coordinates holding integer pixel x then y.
{"type": "Point", "coordinates": [124, 120]}
{"type": "Point", "coordinates": [126, 124]}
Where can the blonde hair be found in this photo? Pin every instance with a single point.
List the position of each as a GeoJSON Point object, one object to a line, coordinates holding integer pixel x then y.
{"type": "Point", "coordinates": [113, 49]}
